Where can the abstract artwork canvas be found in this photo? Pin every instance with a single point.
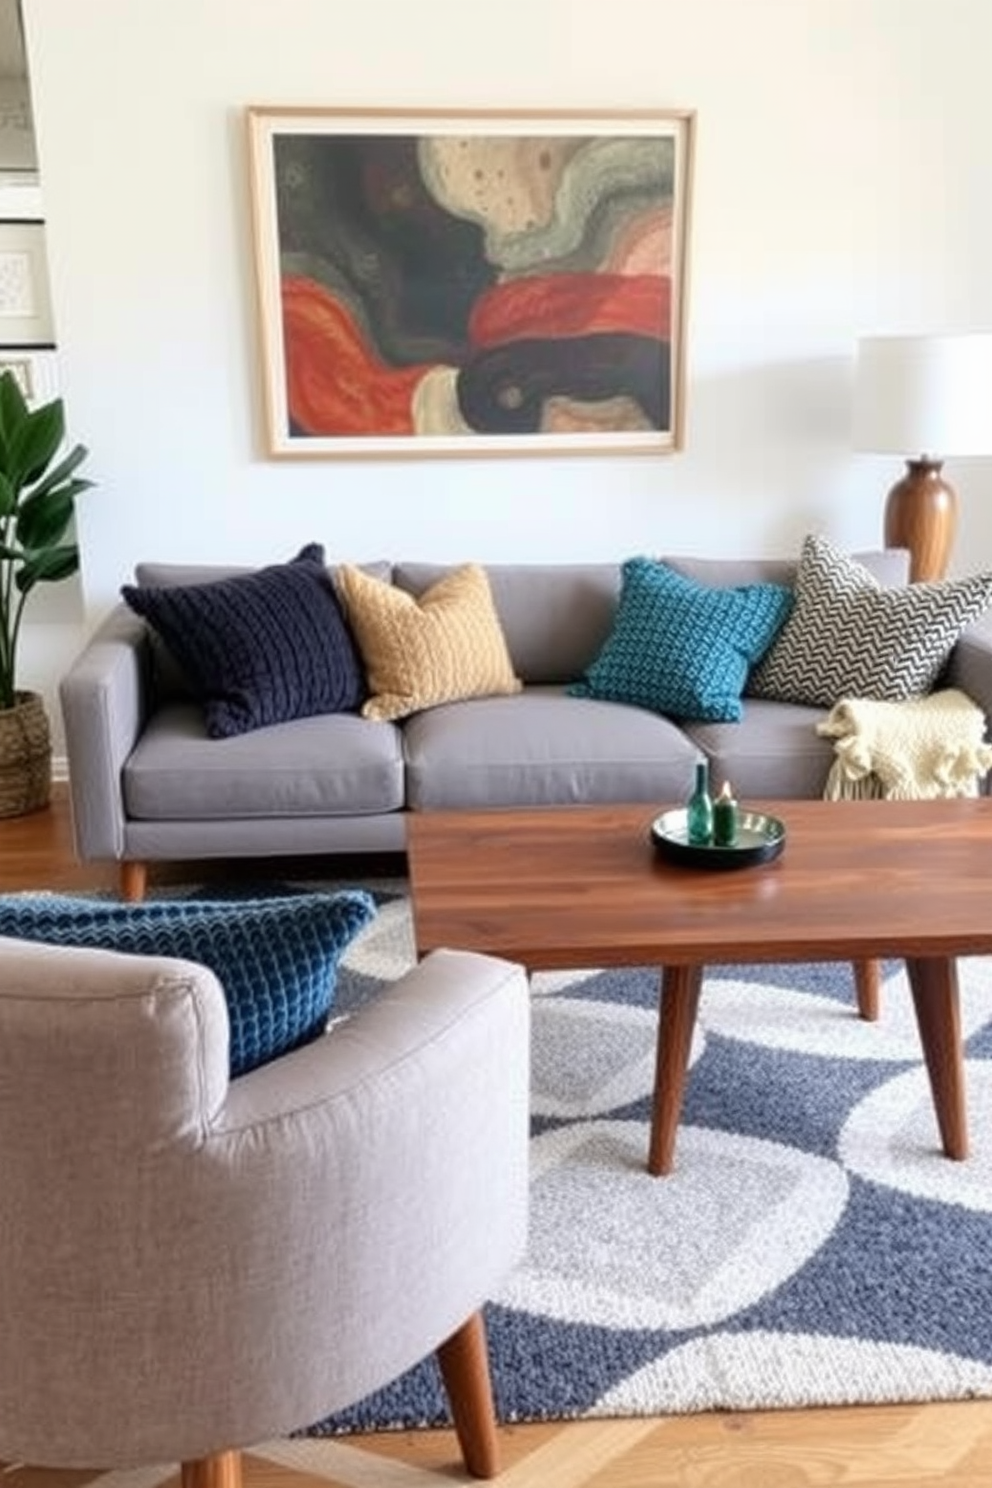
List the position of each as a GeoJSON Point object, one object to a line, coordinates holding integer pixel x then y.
{"type": "Point", "coordinates": [471, 283]}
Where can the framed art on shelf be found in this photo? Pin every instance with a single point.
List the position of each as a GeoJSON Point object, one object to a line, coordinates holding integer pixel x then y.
{"type": "Point", "coordinates": [471, 283]}
{"type": "Point", "coordinates": [36, 372]}
{"type": "Point", "coordinates": [25, 303]}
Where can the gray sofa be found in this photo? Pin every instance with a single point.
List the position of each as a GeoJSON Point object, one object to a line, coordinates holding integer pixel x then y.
{"type": "Point", "coordinates": [148, 785]}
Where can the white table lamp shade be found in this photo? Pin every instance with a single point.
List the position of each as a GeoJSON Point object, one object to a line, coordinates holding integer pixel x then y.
{"type": "Point", "coordinates": [924, 395]}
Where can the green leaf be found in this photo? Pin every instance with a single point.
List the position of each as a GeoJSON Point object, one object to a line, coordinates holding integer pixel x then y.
{"type": "Point", "coordinates": [13, 412]}
{"type": "Point", "coordinates": [42, 519]}
{"type": "Point", "coordinates": [33, 444]}
{"type": "Point", "coordinates": [64, 468]}
{"type": "Point", "coordinates": [49, 565]}
{"type": "Point", "coordinates": [8, 496]}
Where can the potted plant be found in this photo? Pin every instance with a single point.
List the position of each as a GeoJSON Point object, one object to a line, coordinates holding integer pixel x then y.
{"type": "Point", "coordinates": [38, 488]}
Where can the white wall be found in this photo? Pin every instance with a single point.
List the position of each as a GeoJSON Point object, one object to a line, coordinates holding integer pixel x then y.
{"type": "Point", "coordinates": [841, 187]}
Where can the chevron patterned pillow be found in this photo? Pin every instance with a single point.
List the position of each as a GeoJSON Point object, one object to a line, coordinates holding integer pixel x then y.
{"type": "Point", "coordinates": [682, 648]}
{"type": "Point", "coordinates": [849, 637]}
{"type": "Point", "coordinates": [420, 651]}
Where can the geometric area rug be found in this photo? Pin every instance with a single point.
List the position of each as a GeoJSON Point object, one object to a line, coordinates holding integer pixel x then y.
{"type": "Point", "coordinates": [813, 1246]}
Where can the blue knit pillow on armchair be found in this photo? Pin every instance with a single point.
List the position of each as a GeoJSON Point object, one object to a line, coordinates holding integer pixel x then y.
{"type": "Point", "coordinates": [683, 648]}
{"type": "Point", "coordinates": [261, 647]}
{"type": "Point", "coordinates": [276, 958]}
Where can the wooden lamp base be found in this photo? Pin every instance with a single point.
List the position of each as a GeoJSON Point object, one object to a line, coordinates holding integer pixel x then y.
{"type": "Point", "coordinates": [921, 514]}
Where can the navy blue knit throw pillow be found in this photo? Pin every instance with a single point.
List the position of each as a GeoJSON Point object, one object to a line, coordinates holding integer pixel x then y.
{"type": "Point", "coordinates": [275, 958]}
{"type": "Point", "coordinates": [261, 647]}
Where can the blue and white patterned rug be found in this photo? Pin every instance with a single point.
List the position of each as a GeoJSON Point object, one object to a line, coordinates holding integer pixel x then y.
{"type": "Point", "coordinates": [813, 1247]}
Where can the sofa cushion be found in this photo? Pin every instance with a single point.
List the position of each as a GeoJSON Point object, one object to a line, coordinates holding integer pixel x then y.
{"type": "Point", "coordinates": [334, 764]}
{"type": "Point", "coordinates": [173, 575]}
{"type": "Point", "coordinates": [683, 648]}
{"type": "Point", "coordinates": [773, 751]}
{"type": "Point", "coordinates": [890, 567]}
{"type": "Point", "coordinates": [848, 636]}
{"type": "Point", "coordinates": [543, 748]}
{"type": "Point", "coordinates": [555, 616]}
{"type": "Point", "coordinates": [261, 647]}
{"type": "Point", "coordinates": [969, 667]}
{"type": "Point", "coordinates": [276, 958]}
{"type": "Point", "coordinates": [418, 652]}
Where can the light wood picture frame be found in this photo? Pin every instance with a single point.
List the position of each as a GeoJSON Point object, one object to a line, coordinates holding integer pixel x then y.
{"type": "Point", "coordinates": [474, 283]}
{"type": "Point", "coordinates": [25, 299]}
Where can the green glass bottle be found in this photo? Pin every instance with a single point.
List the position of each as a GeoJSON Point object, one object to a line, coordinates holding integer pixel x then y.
{"type": "Point", "coordinates": [725, 818]}
{"type": "Point", "coordinates": [699, 809]}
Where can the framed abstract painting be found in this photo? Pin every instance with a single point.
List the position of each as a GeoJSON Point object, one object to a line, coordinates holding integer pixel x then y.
{"type": "Point", "coordinates": [466, 283]}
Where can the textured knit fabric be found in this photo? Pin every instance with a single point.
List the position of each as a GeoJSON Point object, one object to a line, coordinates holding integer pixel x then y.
{"type": "Point", "coordinates": [849, 637]}
{"type": "Point", "coordinates": [919, 749]}
{"type": "Point", "coordinates": [439, 647]}
{"type": "Point", "coordinates": [682, 648]}
{"type": "Point", "coordinates": [275, 958]}
{"type": "Point", "coordinates": [261, 647]}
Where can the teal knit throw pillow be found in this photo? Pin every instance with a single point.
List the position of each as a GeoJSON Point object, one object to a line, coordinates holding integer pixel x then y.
{"type": "Point", "coordinates": [276, 958]}
{"type": "Point", "coordinates": [682, 648]}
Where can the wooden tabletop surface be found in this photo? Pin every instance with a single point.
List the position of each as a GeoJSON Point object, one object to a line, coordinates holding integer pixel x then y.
{"type": "Point", "coordinates": [585, 886]}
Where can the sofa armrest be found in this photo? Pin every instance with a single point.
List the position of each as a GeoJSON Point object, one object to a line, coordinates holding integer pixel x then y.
{"type": "Point", "coordinates": [105, 701]}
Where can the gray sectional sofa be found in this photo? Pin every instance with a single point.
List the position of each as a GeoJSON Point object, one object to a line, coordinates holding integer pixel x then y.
{"type": "Point", "coordinates": [148, 785]}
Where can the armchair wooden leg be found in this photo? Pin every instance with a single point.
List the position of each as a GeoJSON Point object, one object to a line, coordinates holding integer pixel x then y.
{"type": "Point", "coordinates": [219, 1470]}
{"type": "Point", "coordinates": [867, 982]}
{"type": "Point", "coordinates": [464, 1361]}
{"type": "Point", "coordinates": [133, 882]}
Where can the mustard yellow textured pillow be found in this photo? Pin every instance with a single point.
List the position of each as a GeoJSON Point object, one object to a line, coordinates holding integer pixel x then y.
{"type": "Point", "coordinates": [439, 647]}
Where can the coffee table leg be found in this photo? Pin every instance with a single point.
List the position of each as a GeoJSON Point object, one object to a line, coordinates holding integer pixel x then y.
{"type": "Point", "coordinates": [679, 1003]}
{"type": "Point", "coordinates": [867, 981]}
{"type": "Point", "coordinates": [934, 983]}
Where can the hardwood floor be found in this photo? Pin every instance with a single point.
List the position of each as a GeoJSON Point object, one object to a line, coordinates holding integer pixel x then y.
{"type": "Point", "coordinates": [912, 1446]}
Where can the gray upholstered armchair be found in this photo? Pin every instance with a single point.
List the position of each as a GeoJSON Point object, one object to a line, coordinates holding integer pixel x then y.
{"type": "Point", "coordinates": [189, 1264]}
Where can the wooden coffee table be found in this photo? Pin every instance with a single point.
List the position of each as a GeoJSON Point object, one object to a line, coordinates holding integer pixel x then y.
{"type": "Point", "coordinates": [584, 887]}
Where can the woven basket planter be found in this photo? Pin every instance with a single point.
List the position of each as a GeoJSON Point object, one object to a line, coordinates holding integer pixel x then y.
{"type": "Point", "coordinates": [25, 756]}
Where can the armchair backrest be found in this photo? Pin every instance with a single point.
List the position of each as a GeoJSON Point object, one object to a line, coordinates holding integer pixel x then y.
{"type": "Point", "coordinates": [103, 1053]}
{"type": "Point", "coordinates": [190, 1264]}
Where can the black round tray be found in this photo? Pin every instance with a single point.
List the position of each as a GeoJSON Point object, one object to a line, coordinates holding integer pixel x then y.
{"type": "Point", "coordinates": [759, 839]}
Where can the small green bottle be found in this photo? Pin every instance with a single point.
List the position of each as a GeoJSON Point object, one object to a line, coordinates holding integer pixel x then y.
{"type": "Point", "coordinates": [699, 809]}
{"type": "Point", "coordinates": [725, 818]}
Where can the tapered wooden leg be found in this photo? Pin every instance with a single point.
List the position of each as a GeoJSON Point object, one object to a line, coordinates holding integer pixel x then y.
{"type": "Point", "coordinates": [867, 982]}
{"type": "Point", "coordinates": [133, 882]}
{"type": "Point", "coordinates": [680, 989]}
{"type": "Point", "coordinates": [219, 1470]}
{"type": "Point", "coordinates": [934, 984]}
{"type": "Point", "coordinates": [464, 1361]}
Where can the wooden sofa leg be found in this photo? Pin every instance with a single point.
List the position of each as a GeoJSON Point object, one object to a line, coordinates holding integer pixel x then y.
{"type": "Point", "coordinates": [219, 1470]}
{"type": "Point", "coordinates": [867, 982]}
{"type": "Point", "coordinates": [133, 882]}
{"type": "Point", "coordinates": [464, 1361]}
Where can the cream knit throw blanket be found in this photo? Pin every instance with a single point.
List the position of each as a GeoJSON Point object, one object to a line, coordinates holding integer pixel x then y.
{"type": "Point", "coordinates": [915, 750]}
